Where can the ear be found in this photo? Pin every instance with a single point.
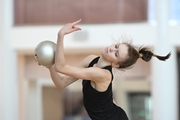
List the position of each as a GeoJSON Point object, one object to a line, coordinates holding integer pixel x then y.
{"type": "Point", "coordinates": [115, 65]}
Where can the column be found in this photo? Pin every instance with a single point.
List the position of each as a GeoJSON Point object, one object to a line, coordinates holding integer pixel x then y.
{"type": "Point", "coordinates": [164, 84]}
{"type": "Point", "coordinates": [8, 77]}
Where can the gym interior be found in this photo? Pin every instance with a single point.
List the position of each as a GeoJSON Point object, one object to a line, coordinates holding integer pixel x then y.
{"type": "Point", "coordinates": [148, 91]}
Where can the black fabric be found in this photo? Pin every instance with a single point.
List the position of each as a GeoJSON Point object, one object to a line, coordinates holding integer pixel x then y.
{"type": "Point", "coordinates": [99, 105]}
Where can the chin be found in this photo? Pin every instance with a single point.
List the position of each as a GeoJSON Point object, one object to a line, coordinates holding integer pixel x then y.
{"type": "Point", "coordinates": [103, 52]}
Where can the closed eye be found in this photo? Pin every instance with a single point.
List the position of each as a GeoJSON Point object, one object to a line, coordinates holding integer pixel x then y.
{"type": "Point", "coordinates": [116, 53]}
{"type": "Point", "coordinates": [117, 46]}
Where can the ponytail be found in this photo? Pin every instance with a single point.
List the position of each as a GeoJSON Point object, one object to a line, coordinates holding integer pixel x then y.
{"type": "Point", "coordinates": [163, 58]}
{"type": "Point", "coordinates": [146, 55]}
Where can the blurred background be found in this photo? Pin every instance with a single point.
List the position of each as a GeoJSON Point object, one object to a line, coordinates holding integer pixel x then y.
{"type": "Point", "coordinates": [148, 91]}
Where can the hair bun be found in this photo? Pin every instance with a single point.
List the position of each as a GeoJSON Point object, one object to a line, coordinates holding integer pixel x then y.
{"type": "Point", "coordinates": [146, 55]}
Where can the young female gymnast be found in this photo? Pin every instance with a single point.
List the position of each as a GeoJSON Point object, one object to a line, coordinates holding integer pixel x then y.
{"type": "Point", "coordinates": [96, 72]}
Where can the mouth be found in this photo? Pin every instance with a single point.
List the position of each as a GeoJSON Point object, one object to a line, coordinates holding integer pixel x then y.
{"type": "Point", "coordinates": [106, 50]}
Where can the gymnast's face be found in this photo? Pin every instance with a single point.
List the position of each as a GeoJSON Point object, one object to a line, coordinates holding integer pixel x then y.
{"type": "Point", "coordinates": [115, 53]}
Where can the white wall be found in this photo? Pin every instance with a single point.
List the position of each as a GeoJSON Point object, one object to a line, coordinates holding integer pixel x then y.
{"type": "Point", "coordinates": [27, 37]}
{"type": "Point", "coordinates": [174, 35]}
{"type": "Point", "coordinates": [8, 68]}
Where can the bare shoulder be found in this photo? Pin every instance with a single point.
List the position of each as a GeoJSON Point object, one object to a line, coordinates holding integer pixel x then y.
{"type": "Point", "coordinates": [91, 57]}
{"type": "Point", "coordinates": [87, 60]}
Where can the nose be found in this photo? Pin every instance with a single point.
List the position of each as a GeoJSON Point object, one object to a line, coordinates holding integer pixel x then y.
{"type": "Point", "coordinates": [112, 49]}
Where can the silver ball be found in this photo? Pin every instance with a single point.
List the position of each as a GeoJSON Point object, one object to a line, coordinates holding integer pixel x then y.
{"type": "Point", "coordinates": [45, 53]}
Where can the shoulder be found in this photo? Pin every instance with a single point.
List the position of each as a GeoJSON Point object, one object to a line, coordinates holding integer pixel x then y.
{"type": "Point", "coordinates": [88, 59]}
{"type": "Point", "coordinates": [85, 62]}
{"type": "Point", "coordinates": [91, 57]}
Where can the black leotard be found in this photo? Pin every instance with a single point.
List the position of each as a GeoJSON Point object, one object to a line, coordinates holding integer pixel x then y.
{"type": "Point", "coordinates": [99, 105]}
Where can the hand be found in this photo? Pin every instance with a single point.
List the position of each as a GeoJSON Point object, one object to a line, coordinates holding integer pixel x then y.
{"type": "Point", "coordinates": [37, 61]}
{"type": "Point", "coordinates": [69, 28]}
{"type": "Point", "coordinates": [50, 67]}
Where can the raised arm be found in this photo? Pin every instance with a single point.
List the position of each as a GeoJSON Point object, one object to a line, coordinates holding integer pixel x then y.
{"type": "Point", "coordinates": [59, 56]}
{"type": "Point", "coordinates": [92, 73]}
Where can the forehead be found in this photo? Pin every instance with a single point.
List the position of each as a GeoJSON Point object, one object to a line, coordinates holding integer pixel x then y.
{"type": "Point", "coordinates": [123, 50]}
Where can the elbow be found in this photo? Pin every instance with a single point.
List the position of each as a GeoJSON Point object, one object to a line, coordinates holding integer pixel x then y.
{"type": "Point", "coordinates": [57, 68]}
{"type": "Point", "coordinates": [59, 87]}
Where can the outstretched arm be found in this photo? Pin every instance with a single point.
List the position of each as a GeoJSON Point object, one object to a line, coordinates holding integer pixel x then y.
{"type": "Point", "coordinates": [62, 81]}
{"type": "Point", "coordinates": [59, 80]}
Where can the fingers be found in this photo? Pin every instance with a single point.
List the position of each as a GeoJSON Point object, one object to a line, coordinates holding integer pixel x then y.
{"type": "Point", "coordinates": [74, 25]}
{"type": "Point", "coordinates": [69, 28]}
{"type": "Point", "coordinates": [76, 22]}
{"type": "Point", "coordinates": [76, 28]}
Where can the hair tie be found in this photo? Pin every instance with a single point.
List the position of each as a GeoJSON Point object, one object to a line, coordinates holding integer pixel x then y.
{"type": "Point", "coordinates": [140, 55]}
{"type": "Point", "coordinates": [154, 55]}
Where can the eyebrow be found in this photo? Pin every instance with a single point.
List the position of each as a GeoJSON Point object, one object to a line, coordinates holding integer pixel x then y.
{"type": "Point", "coordinates": [118, 50]}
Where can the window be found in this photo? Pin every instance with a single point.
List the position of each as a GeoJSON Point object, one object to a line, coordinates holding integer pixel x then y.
{"type": "Point", "coordinates": [140, 106]}
{"type": "Point", "coordinates": [175, 11]}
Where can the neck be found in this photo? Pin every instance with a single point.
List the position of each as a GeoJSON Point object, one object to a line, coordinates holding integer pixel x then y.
{"type": "Point", "coordinates": [102, 62]}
